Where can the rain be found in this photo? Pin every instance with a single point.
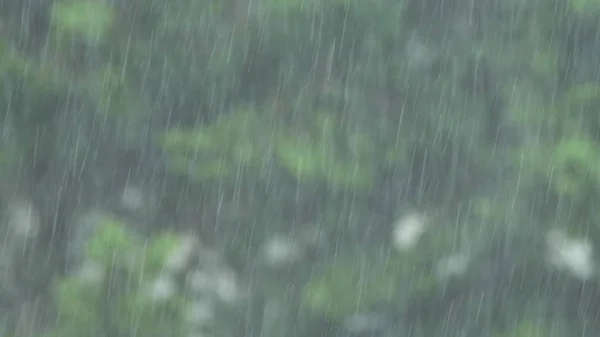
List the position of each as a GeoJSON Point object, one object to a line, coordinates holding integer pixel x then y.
{"type": "Point", "coordinates": [299, 168]}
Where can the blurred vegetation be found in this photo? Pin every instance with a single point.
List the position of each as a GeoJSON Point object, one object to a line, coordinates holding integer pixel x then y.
{"type": "Point", "coordinates": [117, 301]}
{"type": "Point", "coordinates": [251, 117]}
{"type": "Point", "coordinates": [81, 19]}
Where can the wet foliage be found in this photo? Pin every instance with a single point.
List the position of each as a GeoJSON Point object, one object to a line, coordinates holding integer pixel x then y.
{"type": "Point", "coordinates": [299, 168]}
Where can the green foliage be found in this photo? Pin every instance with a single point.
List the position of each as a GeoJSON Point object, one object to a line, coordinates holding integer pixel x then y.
{"type": "Point", "coordinates": [112, 242]}
{"type": "Point", "coordinates": [113, 91]}
{"type": "Point", "coordinates": [488, 208]}
{"type": "Point", "coordinates": [79, 315]}
{"type": "Point", "coordinates": [33, 88]}
{"type": "Point", "coordinates": [343, 290]}
{"type": "Point", "coordinates": [317, 156]}
{"type": "Point", "coordinates": [554, 118]}
{"type": "Point", "coordinates": [531, 111]}
{"type": "Point", "coordinates": [186, 53]}
{"type": "Point", "coordinates": [88, 20]}
{"type": "Point", "coordinates": [584, 7]}
{"type": "Point", "coordinates": [239, 140]}
{"type": "Point", "coordinates": [26, 78]}
{"type": "Point", "coordinates": [583, 93]}
{"type": "Point", "coordinates": [157, 250]}
{"type": "Point", "coordinates": [244, 140]}
{"type": "Point", "coordinates": [576, 164]}
{"type": "Point", "coordinates": [287, 5]}
{"type": "Point", "coordinates": [571, 167]}
{"type": "Point", "coordinates": [531, 329]}
{"type": "Point", "coordinates": [527, 328]}
{"type": "Point", "coordinates": [39, 78]}
{"type": "Point", "coordinates": [118, 303]}
{"type": "Point", "coordinates": [569, 162]}
{"type": "Point", "coordinates": [544, 62]}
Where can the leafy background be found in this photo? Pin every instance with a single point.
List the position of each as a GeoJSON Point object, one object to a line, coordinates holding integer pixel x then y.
{"type": "Point", "coordinates": [128, 125]}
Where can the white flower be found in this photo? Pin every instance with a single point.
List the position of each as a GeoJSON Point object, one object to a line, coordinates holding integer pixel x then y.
{"type": "Point", "coordinates": [226, 287]}
{"type": "Point", "coordinates": [280, 250]}
{"type": "Point", "coordinates": [221, 282]}
{"type": "Point", "coordinates": [364, 322]}
{"type": "Point", "coordinates": [91, 272]}
{"type": "Point", "coordinates": [452, 266]}
{"type": "Point", "coordinates": [418, 53]}
{"type": "Point", "coordinates": [132, 198]}
{"type": "Point", "coordinates": [201, 313]}
{"type": "Point", "coordinates": [180, 257]}
{"type": "Point", "coordinates": [162, 289]}
{"type": "Point", "coordinates": [574, 255]}
{"type": "Point", "coordinates": [209, 258]}
{"type": "Point", "coordinates": [24, 221]}
{"type": "Point", "coordinates": [407, 231]}
{"type": "Point", "coordinates": [200, 282]}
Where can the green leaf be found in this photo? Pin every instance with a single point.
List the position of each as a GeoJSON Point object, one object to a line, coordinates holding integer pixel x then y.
{"type": "Point", "coordinates": [87, 19]}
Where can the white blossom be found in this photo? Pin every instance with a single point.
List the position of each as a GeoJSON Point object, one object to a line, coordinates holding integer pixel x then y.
{"type": "Point", "coordinates": [202, 312]}
{"type": "Point", "coordinates": [227, 289]}
{"type": "Point", "coordinates": [280, 250]}
{"type": "Point", "coordinates": [200, 281]}
{"type": "Point", "coordinates": [221, 282]}
{"type": "Point", "coordinates": [364, 322]}
{"type": "Point", "coordinates": [162, 289]}
{"type": "Point", "coordinates": [24, 221]}
{"type": "Point", "coordinates": [407, 231]}
{"type": "Point", "coordinates": [91, 272]}
{"type": "Point", "coordinates": [179, 258]}
{"type": "Point", "coordinates": [132, 198]}
{"type": "Point", "coordinates": [573, 255]}
{"type": "Point", "coordinates": [452, 266]}
{"type": "Point", "coordinates": [209, 258]}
